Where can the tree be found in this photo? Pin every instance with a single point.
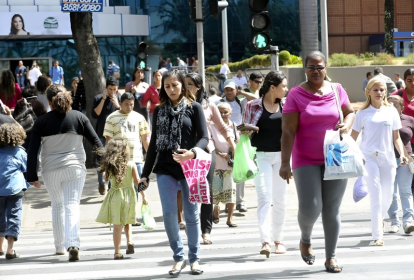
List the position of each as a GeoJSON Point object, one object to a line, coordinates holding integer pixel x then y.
{"type": "Point", "coordinates": [308, 14]}
{"type": "Point", "coordinates": [90, 65]}
{"type": "Point", "coordinates": [389, 26]}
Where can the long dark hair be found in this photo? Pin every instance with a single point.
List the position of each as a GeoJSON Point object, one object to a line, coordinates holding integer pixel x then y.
{"type": "Point", "coordinates": [42, 84]}
{"type": "Point", "coordinates": [184, 91]}
{"type": "Point", "coordinates": [198, 82]}
{"type": "Point", "coordinates": [13, 30]}
{"type": "Point", "coordinates": [7, 85]}
{"type": "Point", "coordinates": [135, 71]}
{"type": "Point", "coordinates": [274, 78]}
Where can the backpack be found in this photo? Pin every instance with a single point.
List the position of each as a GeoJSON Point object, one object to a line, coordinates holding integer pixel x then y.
{"type": "Point", "coordinates": [26, 117]}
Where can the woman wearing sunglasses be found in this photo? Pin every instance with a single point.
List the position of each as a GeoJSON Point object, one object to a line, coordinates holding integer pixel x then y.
{"type": "Point", "coordinates": [309, 111]}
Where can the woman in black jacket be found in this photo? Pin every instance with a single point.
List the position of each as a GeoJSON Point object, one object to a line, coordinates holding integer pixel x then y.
{"type": "Point", "coordinates": [60, 133]}
{"type": "Point", "coordinates": [179, 126]}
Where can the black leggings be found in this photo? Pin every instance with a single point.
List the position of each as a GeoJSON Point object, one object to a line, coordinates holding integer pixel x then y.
{"type": "Point", "coordinates": [206, 215]}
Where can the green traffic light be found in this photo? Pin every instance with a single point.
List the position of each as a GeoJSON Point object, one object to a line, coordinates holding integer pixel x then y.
{"type": "Point", "coordinates": [142, 64]}
{"type": "Point", "coordinates": [261, 41]}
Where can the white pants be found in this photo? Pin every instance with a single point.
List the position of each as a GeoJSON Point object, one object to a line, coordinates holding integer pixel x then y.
{"type": "Point", "coordinates": [380, 182]}
{"type": "Point", "coordinates": [271, 189]}
{"type": "Point", "coordinates": [65, 190]}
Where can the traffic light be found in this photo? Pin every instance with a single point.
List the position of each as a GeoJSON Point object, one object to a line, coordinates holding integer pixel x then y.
{"type": "Point", "coordinates": [142, 55]}
{"type": "Point", "coordinates": [260, 24]}
{"type": "Point", "coordinates": [216, 7]}
{"type": "Point", "coordinates": [193, 15]}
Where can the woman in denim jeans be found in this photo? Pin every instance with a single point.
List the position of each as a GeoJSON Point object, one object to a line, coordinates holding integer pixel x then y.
{"type": "Point", "coordinates": [404, 176]}
{"type": "Point", "coordinates": [266, 113]}
{"type": "Point", "coordinates": [178, 126]}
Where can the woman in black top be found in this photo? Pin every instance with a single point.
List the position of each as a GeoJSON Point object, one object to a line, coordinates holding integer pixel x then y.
{"type": "Point", "coordinates": [178, 126]}
{"type": "Point", "coordinates": [60, 133]}
{"type": "Point", "coordinates": [266, 113]}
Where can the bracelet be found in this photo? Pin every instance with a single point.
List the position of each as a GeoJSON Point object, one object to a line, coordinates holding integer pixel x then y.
{"type": "Point", "coordinates": [195, 153]}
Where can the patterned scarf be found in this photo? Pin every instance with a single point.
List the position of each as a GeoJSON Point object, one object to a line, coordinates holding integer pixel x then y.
{"type": "Point", "coordinates": [169, 136]}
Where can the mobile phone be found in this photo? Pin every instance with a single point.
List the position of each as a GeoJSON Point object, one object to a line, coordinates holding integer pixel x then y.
{"type": "Point", "coordinates": [177, 152]}
{"type": "Point", "coordinates": [142, 186]}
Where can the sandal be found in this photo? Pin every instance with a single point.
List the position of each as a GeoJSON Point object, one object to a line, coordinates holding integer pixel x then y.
{"type": "Point", "coordinates": [277, 250]}
{"type": "Point", "coordinates": [216, 220]}
{"type": "Point", "coordinates": [182, 225]}
{"type": "Point", "coordinates": [264, 250]}
{"type": "Point", "coordinates": [196, 271]}
{"type": "Point", "coordinates": [231, 224]}
{"type": "Point", "coordinates": [118, 256]}
{"type": "Point", "coordinates": [331, 268]}
{"type": "Point", "coordinates": [206, 241]}
{"type": "Point", "coordinates": [379, 242]}
{"type": "Point", "coordinates": [130, 249]}
{"type": "Point", "coordinates": [310, 260]}
{"type": "Point", "coordinates": [12, 256]}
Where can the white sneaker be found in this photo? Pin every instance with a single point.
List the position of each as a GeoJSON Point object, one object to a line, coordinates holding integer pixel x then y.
{"type": "Point", "coordinates": [394, 229]}
{"type": "Point", "coordinates": [408, 228]}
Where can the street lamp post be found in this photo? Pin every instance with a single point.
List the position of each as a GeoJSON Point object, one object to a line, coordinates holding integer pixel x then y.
{"type": "Point", "coordinates": [200, 39]}
{"type": "Point", "coordinates": [324, 30]}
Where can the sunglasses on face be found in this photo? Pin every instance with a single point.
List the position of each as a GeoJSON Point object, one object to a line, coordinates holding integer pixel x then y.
{"type": "Point", "coordinates": [257, 82]}
{"type": "Point", "coordinates": [311, 68]}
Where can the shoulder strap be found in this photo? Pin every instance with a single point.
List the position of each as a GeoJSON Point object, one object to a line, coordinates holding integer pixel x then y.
{"type": "Point", "coordinates": [234, 132]}
{"type": "Point", "coordinates": [400, 92]}
{"type": "Point", "coordinates": [338, 102]}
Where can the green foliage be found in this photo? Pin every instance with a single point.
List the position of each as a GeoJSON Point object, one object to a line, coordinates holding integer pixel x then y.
{"type": "Point", "coordinates": [284, 56]}
{"type": "Point", "coordinates": [253, 62]}
{"type": "Point", "coordinates": [409, 59]}
{"type": "Point", "coordinates": [344, 59]}
{"type": "Point", "coordinates": [383, 59]}
{"type": "Point", "coordinates": [369, 54]}
{"type": "Point", "coordinates": [295, 59]}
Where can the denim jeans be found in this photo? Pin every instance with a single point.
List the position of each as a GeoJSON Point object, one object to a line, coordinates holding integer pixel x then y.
{"type": "Point", "coordinates": [20, 81]}
{"type": "Point", "coordinates": [403, 180]}
{"type": "Point", "coordinates": [168, 187]}
{"type": "Point", "coordinates": [139, 168]}
{"type": "Point", "coordinates": [10, 215]}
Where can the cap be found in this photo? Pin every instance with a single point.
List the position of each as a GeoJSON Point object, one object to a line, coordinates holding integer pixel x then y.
{"type": "Point", "coordinates": [230, 83]}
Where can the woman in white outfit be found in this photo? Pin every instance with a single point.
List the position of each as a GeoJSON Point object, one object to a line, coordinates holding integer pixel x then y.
{"type": "Point", "coordinates": [380, 123]}
{"type": "Point", "coordinates": [266, 113]}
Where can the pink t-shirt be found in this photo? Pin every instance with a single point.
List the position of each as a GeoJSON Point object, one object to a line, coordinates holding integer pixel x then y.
{"type": "Point", "coordinates": [317, 114]}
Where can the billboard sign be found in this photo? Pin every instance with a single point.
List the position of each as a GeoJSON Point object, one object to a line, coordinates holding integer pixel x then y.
{"type": "Point", "coordinates": [82, 6]}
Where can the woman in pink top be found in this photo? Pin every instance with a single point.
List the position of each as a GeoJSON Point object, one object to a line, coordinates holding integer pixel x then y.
{"type": "Point", "coordinates": [10, 91]}
{"type": "Point", "coordinates": [310, 111]}
{"type": "Point", "coordinates": [195, 86]}
{"type": "Point", "coordinates": [151, 96]}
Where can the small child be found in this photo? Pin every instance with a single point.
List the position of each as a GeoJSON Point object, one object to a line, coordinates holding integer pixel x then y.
{"type": "Point", "coordinates": [118, 207]}
{"type": "Point", "coordinates": [12, 184]}
{"type": "Point", "coordinates": [224, 188]}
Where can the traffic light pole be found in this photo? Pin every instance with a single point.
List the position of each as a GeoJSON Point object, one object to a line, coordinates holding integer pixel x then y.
{"type": "Point", "coordinates": [274, 51]}
{"type": "Point", "coordinates": [225, 35]}
{"type": "Point", "coordinates": [200, 40]}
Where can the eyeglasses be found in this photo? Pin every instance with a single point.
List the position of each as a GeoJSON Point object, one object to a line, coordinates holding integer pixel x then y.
{"type": "Point", "coordinates": [257, 82]}
{"type": "Point", "coordinates": [311, 68]}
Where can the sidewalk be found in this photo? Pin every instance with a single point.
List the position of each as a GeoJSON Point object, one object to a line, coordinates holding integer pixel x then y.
{"type": "Point", "coordinates": [36, 215]}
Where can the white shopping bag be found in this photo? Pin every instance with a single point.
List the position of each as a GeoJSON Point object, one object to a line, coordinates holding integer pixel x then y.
{"type": "Point", "coordinates": [343, 158]}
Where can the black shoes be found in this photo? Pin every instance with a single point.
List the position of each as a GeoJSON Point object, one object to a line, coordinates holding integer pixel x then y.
{"type": "Point", "coordinates": [73, 253]}
{"type": "Point", "coordinates": [176, 272]}
{"type": "Point", "coordinates": [241, 207]}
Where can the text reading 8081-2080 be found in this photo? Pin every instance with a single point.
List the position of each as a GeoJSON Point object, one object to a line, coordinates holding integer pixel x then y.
{"type": "Point", "coordinates": [82, 7]}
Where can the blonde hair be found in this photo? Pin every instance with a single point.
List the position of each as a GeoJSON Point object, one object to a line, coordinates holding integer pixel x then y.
{"type": "Point", "coordinates": [370, 85]}
{"type": "Point", "coordinates": [114, 162]}
{"type": "Point", "coordinates": [11, 135]}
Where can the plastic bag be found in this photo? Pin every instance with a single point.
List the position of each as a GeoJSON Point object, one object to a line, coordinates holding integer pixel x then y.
{"type": "Point", "coordinates": [245, 167]}
{"type": "Point", "coordinates": [360, 189]}
{"type": "Point", "coordinates": [343, 158]}
{"type": "Point", "coordinates": [148, 222]}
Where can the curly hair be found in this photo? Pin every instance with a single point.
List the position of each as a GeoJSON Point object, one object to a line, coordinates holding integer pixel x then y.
{"type": "Point", "coordinates": [114, 161]}
{"type": "Point", "coordinates": [62, 102]}
{"type": "Point", "coordinates": [11, 134]}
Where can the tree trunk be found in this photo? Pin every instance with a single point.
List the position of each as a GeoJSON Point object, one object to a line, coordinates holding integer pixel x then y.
{"type": "Point", "coordinates": [90, 65]}
{"type": "Point", "coordinates": [389, 26]}
{"type": "Point", "coordinates": [308, 14]}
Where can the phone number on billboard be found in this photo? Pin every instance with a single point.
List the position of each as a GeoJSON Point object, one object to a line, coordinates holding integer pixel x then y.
{"type": "Point", "coordinates": [81, 8]}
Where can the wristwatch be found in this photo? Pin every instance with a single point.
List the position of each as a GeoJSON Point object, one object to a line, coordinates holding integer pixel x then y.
{"type": "Point", "coordinates": [195, 153]}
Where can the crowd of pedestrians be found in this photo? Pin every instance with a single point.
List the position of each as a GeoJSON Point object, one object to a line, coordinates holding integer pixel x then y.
{"type": "Point", "coordinates": [154, 128]}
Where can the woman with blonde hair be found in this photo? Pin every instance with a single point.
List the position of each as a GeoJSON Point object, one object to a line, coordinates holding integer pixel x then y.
{"type": "Point", "coordinates": [380, 123]}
